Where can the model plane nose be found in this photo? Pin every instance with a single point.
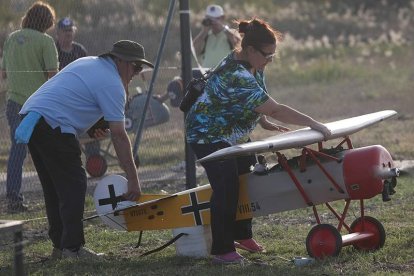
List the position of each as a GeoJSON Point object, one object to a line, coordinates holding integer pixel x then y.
{"type": "Point", "coordinates": [366, 170]}
{"type": "Point", "coordinates": [388, 173]}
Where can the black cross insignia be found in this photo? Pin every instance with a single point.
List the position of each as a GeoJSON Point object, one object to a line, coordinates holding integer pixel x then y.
{"type": "Point", "coordinates": [112, 199]}
{"type": "Point", "coordinates": [195, 208]}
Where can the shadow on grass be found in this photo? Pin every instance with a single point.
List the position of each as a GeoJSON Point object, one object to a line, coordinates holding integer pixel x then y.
{"type": "Point", "coordinates": [171, 265]}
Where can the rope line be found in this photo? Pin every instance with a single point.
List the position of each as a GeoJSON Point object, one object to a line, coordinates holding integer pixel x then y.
{"type": "Point", "coordinates": [30, 71]}
{"type": "Point", "coordinates": [41, 218]}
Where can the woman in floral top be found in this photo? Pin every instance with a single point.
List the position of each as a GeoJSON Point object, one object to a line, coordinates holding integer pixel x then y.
{"type": "Point", "coordinates": [233, 102]}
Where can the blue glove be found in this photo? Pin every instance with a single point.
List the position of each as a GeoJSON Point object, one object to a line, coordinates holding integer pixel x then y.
{"type": "Point", "coordinates": [25, 129]}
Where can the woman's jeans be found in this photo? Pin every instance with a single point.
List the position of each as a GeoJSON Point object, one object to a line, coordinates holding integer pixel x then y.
{"type": "Point", "coordinates": [223, 176]}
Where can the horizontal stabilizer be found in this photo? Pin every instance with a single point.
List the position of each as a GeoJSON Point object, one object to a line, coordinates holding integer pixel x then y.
{"type": "Point", "coordinates": [130, 206]}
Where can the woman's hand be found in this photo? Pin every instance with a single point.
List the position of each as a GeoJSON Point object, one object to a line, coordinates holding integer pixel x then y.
{"type": "Point", "coordinates": [326, 132]}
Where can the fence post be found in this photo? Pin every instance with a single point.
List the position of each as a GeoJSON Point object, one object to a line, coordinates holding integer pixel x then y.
{"type": "Point", "coordinates": [153, 78]}
{"type": "Point", "coordinates": [15, 227]}
{"type": "Point", "coordinates": [190, 172]}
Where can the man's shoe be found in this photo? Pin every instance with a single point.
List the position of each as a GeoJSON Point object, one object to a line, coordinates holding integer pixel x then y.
{"type": "Point", "coordinates": [82, 253]}
{"type": "Point", "coordinates": [229, 258]}
{"type": "Point", "coordinates": [56, 254]}
{"type": "Point", "coordinates": [16, 207]}
{"type": "Point", "coordinates": [249, 245]}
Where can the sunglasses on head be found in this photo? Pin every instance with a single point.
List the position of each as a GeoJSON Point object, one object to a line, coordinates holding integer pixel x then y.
{"type": "Point", "coordinates": [268, 56]}
{"type": "Point", "coordinates": [137, 67]}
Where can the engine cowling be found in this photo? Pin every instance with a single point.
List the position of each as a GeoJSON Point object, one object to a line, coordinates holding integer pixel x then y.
{"type": "Point", "coordinates": [365, 170]}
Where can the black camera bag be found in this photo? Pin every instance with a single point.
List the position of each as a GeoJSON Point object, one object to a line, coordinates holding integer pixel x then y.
{"type": "Point", "coordinates": [193, 90]}
{"type": "Point", "coordinates": [196, 87]}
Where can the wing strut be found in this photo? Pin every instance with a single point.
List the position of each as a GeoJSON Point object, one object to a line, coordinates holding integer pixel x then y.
{"type": "Point", "coordinates": [283, 162]}
{"type": "Point", "coordinates": [312, 153]}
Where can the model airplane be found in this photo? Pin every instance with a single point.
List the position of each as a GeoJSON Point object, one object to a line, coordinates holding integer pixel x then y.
{"type": "Point", "coordinates": [315, 177]}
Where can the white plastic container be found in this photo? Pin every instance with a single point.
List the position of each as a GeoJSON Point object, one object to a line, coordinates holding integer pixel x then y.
{"type": "Point", "coordinates": [197, 242]}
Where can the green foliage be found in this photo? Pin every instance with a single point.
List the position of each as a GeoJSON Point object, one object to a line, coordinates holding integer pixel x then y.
{"type": "Point", "coordinates": [6, 15]}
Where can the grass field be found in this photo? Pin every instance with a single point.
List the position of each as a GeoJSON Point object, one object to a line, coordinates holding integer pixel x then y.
{"type": "Point", "coordinates": [283, 235]}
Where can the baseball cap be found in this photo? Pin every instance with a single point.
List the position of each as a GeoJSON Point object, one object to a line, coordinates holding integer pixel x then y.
{"type": "Point", "coordinates": [214, 11]}
{"type": "Point", "coordinates": [129, 51]}
{"type": "Point", "coordinates": [66, 23]}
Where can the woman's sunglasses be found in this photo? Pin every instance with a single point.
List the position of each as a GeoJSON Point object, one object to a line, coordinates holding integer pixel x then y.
{"type": "Point", "coordinates": [268, 56]}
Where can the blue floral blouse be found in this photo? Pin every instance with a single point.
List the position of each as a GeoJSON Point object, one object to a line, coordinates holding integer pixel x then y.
{"type": "Point", "coordinates": [225, 110]}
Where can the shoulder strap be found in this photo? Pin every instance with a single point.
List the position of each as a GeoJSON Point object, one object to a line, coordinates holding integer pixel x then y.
{"type": "Point", "coordinates": [230, 44]}
{"type": "Point", "coordinates": [204, 47]}
{"type": "Point", "coordinates": [221, 68]}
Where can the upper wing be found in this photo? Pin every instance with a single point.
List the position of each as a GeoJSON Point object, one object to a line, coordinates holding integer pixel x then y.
{"type": "Point", "coordinates": [301, 137]}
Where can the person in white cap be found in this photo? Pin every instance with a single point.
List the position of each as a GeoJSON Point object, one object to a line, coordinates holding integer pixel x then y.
{"type": "Point", "coordinates": [216, 40]}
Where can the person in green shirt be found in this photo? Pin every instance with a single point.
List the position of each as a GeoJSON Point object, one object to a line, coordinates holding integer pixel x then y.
{"type": "Point", "coordinates": [29, 59]}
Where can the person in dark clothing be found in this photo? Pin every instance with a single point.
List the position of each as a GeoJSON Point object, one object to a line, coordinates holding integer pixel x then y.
{"type": "Point", "coordinates": [68, 49]}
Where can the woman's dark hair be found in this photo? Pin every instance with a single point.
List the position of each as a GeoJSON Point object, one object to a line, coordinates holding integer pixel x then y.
{"type": "Point", "coordinates": [40, 17]}
{"type": "Point", "coordinates": [257, 33]}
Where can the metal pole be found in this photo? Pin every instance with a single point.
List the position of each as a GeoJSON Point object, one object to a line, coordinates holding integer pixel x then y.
{"type": "Point", "coordinates": [154, 76]}
{"type": "Point", "coordinates": [18, 251]}
{"type": "Point", "coordinates": [190, 171]}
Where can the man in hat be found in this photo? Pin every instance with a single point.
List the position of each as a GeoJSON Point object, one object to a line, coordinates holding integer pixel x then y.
{"type": "Point", "coordinates": [60, 111]}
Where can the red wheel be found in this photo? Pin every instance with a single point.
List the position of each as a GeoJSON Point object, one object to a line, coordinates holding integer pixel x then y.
{"type": "Point", "coordinates": [96, 165]}
{"type": "Point", "coordinates": [323, 240]}
{"type": "Point", "coordinates": [369, 225]}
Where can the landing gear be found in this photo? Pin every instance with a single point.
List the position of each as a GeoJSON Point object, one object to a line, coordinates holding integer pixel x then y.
{"type": "Point", "coordinates": [323, 240]}
{"type": "Point", "coordinates": [370, 225]}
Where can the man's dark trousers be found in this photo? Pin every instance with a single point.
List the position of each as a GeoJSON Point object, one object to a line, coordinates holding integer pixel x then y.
{"type": "Point", "coordinates": [57, 158]}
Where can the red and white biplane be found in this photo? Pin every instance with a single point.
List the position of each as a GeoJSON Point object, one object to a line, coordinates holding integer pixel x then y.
{"type": "Point", "coordinates": [317, 176]}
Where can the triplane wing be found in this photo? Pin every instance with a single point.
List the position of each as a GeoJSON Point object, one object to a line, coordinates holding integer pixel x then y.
{"type": "Point", "coordinates": [312, 178]}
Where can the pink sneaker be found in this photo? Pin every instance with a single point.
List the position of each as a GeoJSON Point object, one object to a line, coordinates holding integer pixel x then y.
{"type": "Point", "coordinates": [228, 258]}
{"type": "Point", "coordinates": [249, 245]}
